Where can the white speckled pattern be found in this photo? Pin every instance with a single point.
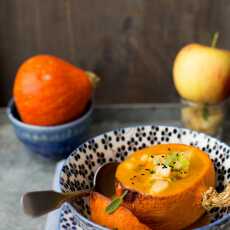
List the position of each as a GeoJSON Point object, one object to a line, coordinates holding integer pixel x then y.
{"type": "Point", "coordinates": [78, 171]}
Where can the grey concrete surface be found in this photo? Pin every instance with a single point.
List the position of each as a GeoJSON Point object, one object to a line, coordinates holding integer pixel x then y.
{"type": "Point", "coordinates": [21, 171]}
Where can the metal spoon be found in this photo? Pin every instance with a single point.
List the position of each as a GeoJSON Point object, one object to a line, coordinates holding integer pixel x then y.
{"type": "Point", "coordinates": [41, 202]}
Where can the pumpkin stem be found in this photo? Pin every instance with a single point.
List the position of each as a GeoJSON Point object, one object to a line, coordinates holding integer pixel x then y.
{"type": "Point", "coordinates": [93, 78]}
{"type": "Point", "coordinates": [213, 199]}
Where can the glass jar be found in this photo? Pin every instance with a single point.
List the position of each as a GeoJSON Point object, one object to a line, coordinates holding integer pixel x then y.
{"type": "Point", "coordinates": [206, 118]}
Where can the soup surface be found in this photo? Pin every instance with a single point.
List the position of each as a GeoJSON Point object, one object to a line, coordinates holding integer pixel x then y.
{"type": "Point", "coordinates": [162, 169]}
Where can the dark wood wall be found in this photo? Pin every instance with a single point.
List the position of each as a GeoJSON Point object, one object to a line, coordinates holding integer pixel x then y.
{"type": "Point", "coordinates": [131, 44]}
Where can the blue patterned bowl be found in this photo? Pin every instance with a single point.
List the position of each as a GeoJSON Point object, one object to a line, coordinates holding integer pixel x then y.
{"type": "Point", "coordinates": [79, 168]}
{"type": "Point", "coordinates": [53, 142]}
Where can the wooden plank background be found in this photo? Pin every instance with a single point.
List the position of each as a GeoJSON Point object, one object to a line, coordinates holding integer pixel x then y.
{"type": "Point", "coordinates": [131, 44]}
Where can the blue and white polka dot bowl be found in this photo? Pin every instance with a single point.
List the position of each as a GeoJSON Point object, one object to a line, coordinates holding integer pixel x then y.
{"type": "Point", "coordinates": [53, 142]}
{"type": "Point", "coordinates": [78, 170]}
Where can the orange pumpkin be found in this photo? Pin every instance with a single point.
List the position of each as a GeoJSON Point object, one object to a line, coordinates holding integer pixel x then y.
{"type": "Point", "coordinates": [160, 201]}
{"type": "Point", "coordinates": [121, 219]}
{"type": "Point", "coordinates": [50, 91]}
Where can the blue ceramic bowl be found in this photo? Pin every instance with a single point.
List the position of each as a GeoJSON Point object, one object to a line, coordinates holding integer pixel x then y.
{"type": "Point", "coordinates": [78, 170]}
{"type": "Point", "coordinates": [54, 142]}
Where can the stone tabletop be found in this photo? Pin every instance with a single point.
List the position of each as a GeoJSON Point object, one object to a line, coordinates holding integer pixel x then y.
{"type": "Point", "coordinates": [21, 171]}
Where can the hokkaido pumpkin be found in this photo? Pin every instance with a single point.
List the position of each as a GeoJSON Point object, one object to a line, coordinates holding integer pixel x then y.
{"type": "Point", "coordinates": [50, 91]}
{"type": "Point", "coordinates": [165, 184]}
{"type": "Point", "coordinates": [122, 219]}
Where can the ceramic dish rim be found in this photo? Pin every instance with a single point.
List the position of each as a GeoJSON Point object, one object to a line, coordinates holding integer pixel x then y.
{"type": "Point", "coordinates": [52, 128]}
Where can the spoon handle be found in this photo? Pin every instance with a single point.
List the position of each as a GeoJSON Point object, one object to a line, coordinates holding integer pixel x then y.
{"type": "Point", "coordinates": [41, 202]}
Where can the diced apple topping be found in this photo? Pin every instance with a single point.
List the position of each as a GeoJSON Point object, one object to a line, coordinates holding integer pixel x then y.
{"type": "Point", "coordinates": [178, 162]}
{"type": "Point", "coordinates": [159, 186]}
{"type": "Point", "coordinates": [163, 171]}
{"type": "Point", "coordinates": [158, 171]}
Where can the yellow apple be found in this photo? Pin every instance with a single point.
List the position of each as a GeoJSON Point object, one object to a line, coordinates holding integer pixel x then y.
{"type": "Point", "coordinates": [202, 74]}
